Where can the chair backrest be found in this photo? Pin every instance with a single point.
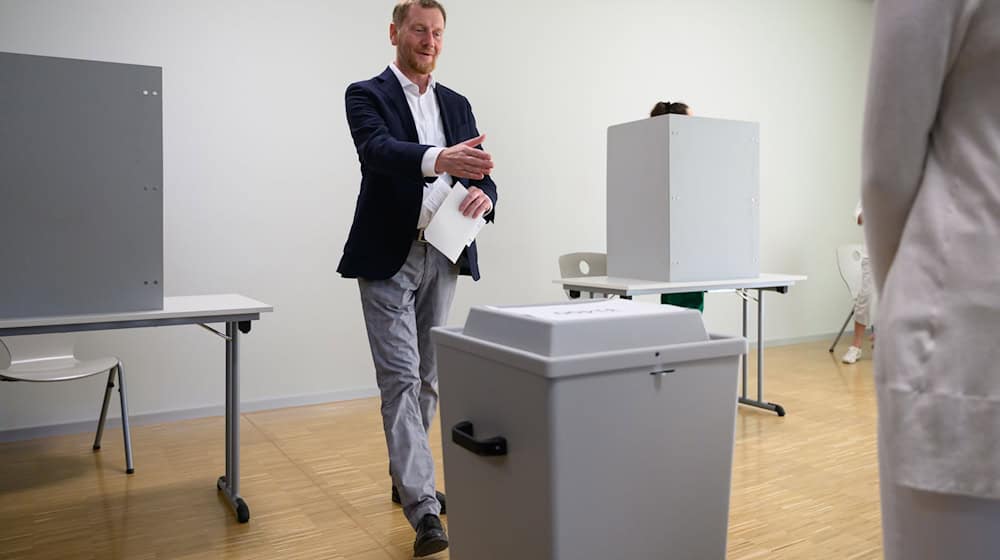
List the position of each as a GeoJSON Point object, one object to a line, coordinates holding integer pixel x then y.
{"type": "Point", "coordinates": [17, 350]}
{"type": "Point", "coordinates": [849, 264]}
{"type": "Point", "coordinates": [579, 265]}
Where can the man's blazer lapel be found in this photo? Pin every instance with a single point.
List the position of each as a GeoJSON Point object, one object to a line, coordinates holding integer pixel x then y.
{"type": "Point", "coordinates": [390, 85]}
{"type": "Point", "coordinates": [446, 117]}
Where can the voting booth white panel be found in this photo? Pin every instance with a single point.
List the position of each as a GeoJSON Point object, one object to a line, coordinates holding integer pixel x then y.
{"type": "Point", "coordinates": [683, 199]}
{"type": "Point", "coordinates": [638, 220]}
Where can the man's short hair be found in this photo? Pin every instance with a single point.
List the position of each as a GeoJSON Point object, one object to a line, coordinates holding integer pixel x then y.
{"type": "Point", "coordinates": [403, 8]}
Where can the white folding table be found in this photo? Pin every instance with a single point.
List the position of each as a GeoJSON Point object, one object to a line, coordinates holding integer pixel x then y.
{"type": "Point", "coordinates": [236, 311]}
{"type": "Point", "coordinates": [628, 287]}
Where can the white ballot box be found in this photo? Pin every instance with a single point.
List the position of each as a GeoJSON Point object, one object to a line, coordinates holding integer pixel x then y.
{"type": "Point", "coordinates": [683, 199]}
{"type": "Point", "coordinates": [585, 431]}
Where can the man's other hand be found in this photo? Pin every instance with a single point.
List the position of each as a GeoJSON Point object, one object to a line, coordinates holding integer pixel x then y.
{"type": "Point", "coordinates": [476, 203]}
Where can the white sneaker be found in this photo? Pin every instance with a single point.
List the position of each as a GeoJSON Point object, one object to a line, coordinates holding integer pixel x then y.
{"type": "Point", "coordinates": [852, 355]}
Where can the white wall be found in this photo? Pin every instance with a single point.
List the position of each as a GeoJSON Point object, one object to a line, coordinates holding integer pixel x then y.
{"type": "Point", "coordinates": [261, 175]}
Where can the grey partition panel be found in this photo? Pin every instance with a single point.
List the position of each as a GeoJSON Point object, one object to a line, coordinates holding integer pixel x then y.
{"type": "Point", "coordinates": [81, 186]}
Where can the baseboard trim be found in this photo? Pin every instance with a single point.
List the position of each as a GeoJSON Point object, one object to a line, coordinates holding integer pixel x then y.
{"type": "Point", "coordinates": [798, 340]}
{"type": "Point", "coordinates": [18, 434]}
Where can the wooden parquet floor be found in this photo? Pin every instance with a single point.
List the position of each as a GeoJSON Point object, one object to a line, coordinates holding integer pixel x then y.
{"type": "Point", "coordinates": [804, 486]}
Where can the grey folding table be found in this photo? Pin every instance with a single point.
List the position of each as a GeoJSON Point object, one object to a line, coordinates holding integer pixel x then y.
{"type": "Point", "coordinates": [628, 287]}
{"type": "Point", "coordinates": [236, 311]}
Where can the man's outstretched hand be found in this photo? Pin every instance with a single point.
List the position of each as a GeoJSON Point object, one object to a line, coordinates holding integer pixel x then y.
{"type": "Point", "coordinates": [465, 160]}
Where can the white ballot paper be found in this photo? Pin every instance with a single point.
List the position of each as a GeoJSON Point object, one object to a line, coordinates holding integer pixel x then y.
{"type": "Point", "coordinates": [450, 231]}
{"type": "Point", "coordinates": [434, 195]}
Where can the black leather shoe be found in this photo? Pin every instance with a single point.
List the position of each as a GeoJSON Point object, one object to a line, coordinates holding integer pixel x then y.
{"type": "Point", "coordinates": [431, 537]}
{"type": "Point", "coordinates": [441, 500]}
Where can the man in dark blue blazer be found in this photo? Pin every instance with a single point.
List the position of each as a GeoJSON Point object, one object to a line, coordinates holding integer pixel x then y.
{"type": "Point", "coordinates": [415, 138]}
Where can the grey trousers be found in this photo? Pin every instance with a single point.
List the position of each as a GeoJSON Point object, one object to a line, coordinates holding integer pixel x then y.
{"type": "Point", "coordinates": [399, 314]}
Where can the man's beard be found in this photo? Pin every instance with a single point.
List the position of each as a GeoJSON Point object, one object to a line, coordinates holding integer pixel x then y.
{"type": "Point", "coordinates": [420, 67]}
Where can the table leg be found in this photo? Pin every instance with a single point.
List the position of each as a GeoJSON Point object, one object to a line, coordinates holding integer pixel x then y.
{"type": "Point", "coordinates": [229, 484]}
{"type": "Point", "coordinates": [759, 402]}
{"type": "Point", "coordinates": [743, 359]}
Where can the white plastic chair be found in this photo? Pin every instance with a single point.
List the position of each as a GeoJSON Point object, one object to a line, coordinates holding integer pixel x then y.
{"type": "Point", "coordinates": [49, 358]}
{"type": "Point", "coordinates": [581, 265]}
{"type": "Point", "coordinates": [849, 265]}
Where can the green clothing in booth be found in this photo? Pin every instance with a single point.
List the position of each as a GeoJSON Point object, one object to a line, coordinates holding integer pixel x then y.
{"type": "Point", "coordinates": [691, 300]}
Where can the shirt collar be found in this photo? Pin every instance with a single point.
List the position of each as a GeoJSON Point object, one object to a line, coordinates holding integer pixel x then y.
{"type": "Point", "coordinates": [405, 82]}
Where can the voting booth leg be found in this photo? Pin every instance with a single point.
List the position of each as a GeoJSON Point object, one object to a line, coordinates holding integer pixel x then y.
{"type": "Point", "coordinates": [759, 402]}
{"type": "Point", "coordinates": [229, 484]}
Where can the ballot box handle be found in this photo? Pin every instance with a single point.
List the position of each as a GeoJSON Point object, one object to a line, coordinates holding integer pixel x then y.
{"type": "Point", "coordinates": [464, 433]}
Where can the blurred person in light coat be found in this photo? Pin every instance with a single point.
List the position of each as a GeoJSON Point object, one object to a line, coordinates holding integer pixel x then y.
{"type": "Point", "coordinates": [931, 196]}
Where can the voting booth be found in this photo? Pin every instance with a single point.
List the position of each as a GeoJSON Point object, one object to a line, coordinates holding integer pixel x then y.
{"type": "Point", "coordinates": [683, 199]}
{"type": "Point", "coordinates": [81, 187]}
{"type": "Point", "coordinates": [593, 430]}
